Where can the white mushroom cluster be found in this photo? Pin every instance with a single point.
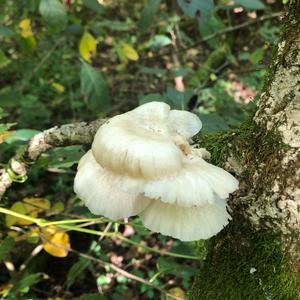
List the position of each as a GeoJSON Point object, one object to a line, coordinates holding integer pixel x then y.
{"type": "Point", "coordinates": [141, 163]}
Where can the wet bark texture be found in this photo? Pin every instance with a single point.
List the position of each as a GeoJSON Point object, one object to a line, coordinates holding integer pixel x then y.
{"type": "Point", "coordinates": [257, 255]}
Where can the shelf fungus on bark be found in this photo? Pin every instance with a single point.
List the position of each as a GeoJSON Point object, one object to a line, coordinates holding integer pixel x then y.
{"type": "Point", "coordinates": [141, 163]}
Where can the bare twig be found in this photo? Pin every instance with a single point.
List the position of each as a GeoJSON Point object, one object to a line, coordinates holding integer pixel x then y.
{"type": "Point", "coordinates": [64, 135]}
{"type": "Point", "coordinates": [217, 33]}
{"type": "Point", "coordinates": [114, 268]}
{"type": "Point", "coordinates": [242, 25]}
{"type": "Point", "coordinates": [126, 274]}
{"type": "Point", "coordinates": [33, 254]}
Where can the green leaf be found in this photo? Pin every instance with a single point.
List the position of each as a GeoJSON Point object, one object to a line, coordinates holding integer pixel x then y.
{"type": "Point", "coordinates": [250, 4]}
{"type": "Point", "coordinates": [28, 44]}
{"type": "Point", "coordinates": [213, 123]}
{"type": "Point", "coordinates": [181, 71]}
{"type": "Point", "coordinates": [6, 32]}
{"type": "Point", "coordinates": [94, 5]}
{"type": "Point", "coordinates": [244, 56]}
{"type": "Point", "coordinates": [119, 49]}
{"type": "Point", "coordinates": [158, 41]}
{"type": "Point", "coordinates": [150, 97]}
{"type": "Point", "coordinates": [102, 280]}
{"type": "Point", "coordinates": [5, 247]}
{"type": "Point", "coordinates": [170, 266]}
{"type": "Point", "coordinates": [153, 71]}
{"type": "Point", "coordinates": [214, 24]}
{"type": "Point", "coordinates": [147, 16]}
{"type": "Point", "coordinates": [270, 33]}
{"type": "Point", "coordinates": [256, 56]}
{"type": "Point", "coordinates": [114, 25]}
{"type": "Point", "coordinates": [178, 100]}
{"type": "Point", "coordinates": [54, 12]}
{"type": "Point", "coordinates": [4, 60]}
{"type": "Point", "coordinates": [94, 88]}
{"type": "Point", "coordinates": [9, 97]}
{"type": "Point", "coordinates": [29, 106]}
{"type": "Point", "coordinates": [21, 135]}
{"type": "Point", "coordinates": [121, 279]}
{"type": "Point", "coordinates": [64, 157]}
{"type": "Point", "coordinates": [77, 270]}
{"type": "Point", "coordinates": [192, 8]}
{"type": "Point", "coordinates": [186, 248]}
{"type": "Point", "coordinates": [29, 280]}
{"type": "Point", "coordinates": [91, 297]}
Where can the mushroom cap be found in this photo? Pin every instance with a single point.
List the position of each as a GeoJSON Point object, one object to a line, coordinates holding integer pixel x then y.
{"type": "Point", "coordinates": [138, 143]}
{"type": "Point", "coordinates": [197, 183]}
{"type": "Point", "coordinates": [104, 193]}
{"type": "Point", "coordinates": [184, 123]}
{"type": "Point", "coordinates": [150, 114]}
{"type": "Point", "coordinates": [186, 223]}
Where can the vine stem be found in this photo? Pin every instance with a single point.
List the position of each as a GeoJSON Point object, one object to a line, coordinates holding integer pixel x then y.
{"type": "Point", "coordinates": [18, 215]}
{"type": "Point", "coordinates": [63, 224]}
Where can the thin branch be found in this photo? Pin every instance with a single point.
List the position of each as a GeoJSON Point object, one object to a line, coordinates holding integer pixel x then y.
{"type": "Point", "coordinates": [58, 136]}
{"type": "Point", "coordinates": [217, 33]}
{"type": "Point", "coordinates": [107, 264]}
{"type": "Point", "coordinates": [126, 274]}
{"type": "Point", "coordinates": [242, 25]}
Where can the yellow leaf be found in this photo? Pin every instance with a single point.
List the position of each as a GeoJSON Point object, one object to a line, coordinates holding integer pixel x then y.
{"type": "Point", "coordinates": [12, 234]}
{"type": "Point", "coordinates": [56, 243]}
{"type": "Point", "coordinates": [58, 207]}
{"type": "Point", "coordinates": [21, 208]}
{"type": "Point", "coordinates": [4, 135]}
{"type": "Point", "coordinates": [213, 77]}
{"type": "Point", "coordinates": [58, 87]}
{"type": "Point", "coordinates": [48, 232]}
{"type": "Point", "coordinates": [87, 46]}
{"type": "Point", "coordinates": [37, 204]}
{"type": "Point", "coordinates": [130, 52]}
{"type": "Point", "coordinates": [5, 289]}
{"type": "Point", "coordinates": [177, 292]}
{"type": "Point", "coordinates": [25, 26]}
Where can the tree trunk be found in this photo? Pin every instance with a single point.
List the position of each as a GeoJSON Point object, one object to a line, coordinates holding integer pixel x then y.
{"type": "Point", "coordinates": [257, 255]}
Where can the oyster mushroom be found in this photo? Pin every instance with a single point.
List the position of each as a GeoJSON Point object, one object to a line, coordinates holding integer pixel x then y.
{"type": "Point", "coordinates": [141, 162]}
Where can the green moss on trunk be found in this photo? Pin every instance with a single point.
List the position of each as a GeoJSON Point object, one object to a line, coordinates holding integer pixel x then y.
{"type": "Point", "coordinates": [259, 260]}
{"type": "Point", "coordinates": [246, 265]}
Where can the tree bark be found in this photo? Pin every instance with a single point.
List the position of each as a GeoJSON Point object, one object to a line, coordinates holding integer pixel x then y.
{"type": "Point", "coordinates": [257, 255]}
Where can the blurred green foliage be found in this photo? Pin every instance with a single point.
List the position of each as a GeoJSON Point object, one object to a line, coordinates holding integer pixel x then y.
{"type": "Point", "coordinates": [75, 60]}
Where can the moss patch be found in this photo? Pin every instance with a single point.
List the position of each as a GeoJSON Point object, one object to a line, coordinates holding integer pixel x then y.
{"type": "Point", "coordinates": [252, 146]}
{"type": "Point", "coordinates": [249, 265]}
